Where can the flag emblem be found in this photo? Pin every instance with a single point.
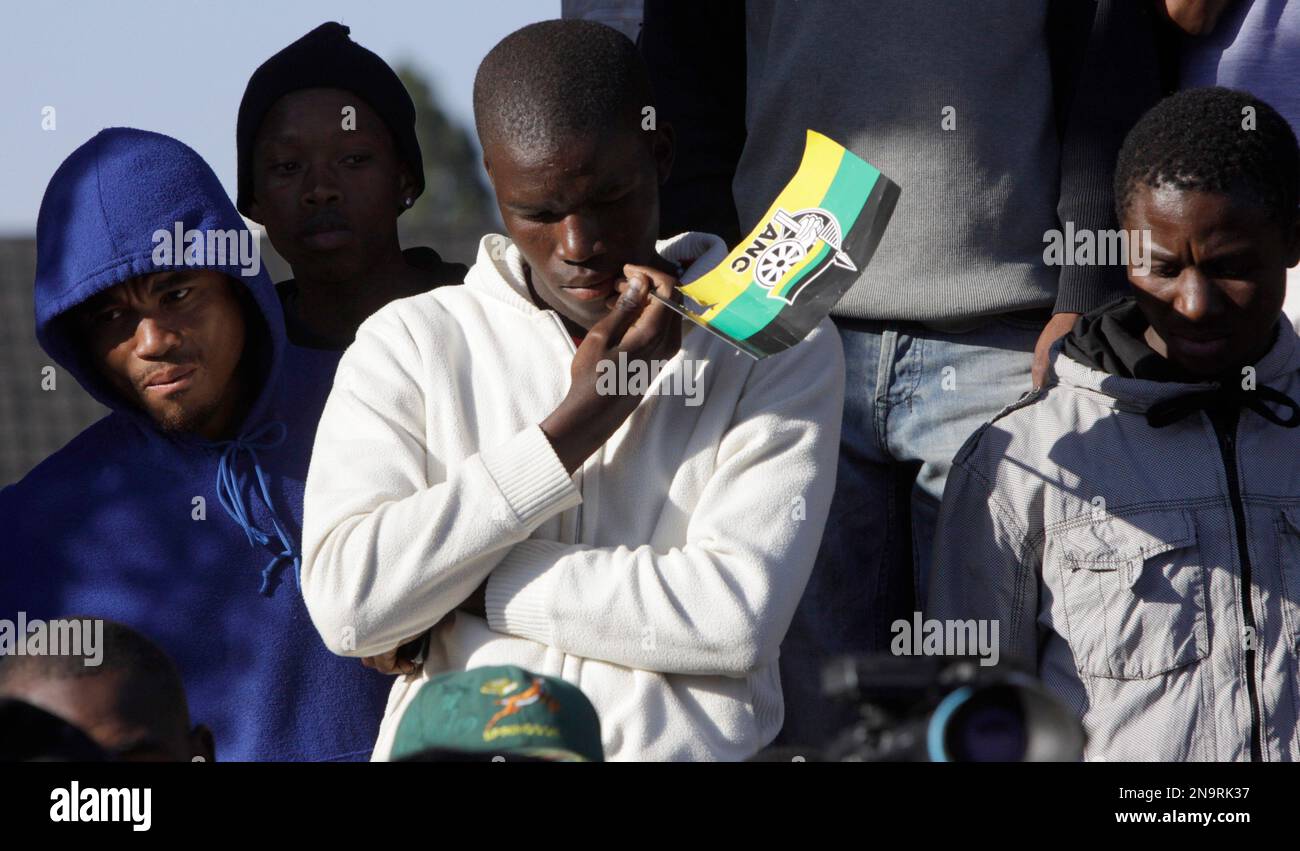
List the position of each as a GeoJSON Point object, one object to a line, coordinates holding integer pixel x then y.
{"type": "Point", "coordinates": [814, 241]}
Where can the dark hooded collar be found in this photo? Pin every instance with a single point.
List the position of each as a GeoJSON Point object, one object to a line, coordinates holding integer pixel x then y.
{"type": "Point", "coordinates": [1110, 339]}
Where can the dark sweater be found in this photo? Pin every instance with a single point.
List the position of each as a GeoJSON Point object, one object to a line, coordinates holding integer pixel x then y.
{"type": "Point", "coordinates": [1042, 97]}
{"type": "Point", "coordinates": [438, 271]}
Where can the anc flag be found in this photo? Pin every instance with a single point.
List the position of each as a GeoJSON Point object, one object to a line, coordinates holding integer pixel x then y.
{"type": "Point", "coordinates": [806, 251]}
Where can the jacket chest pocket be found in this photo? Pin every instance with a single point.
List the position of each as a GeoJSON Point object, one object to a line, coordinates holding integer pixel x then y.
{"type": "Point", "coordinates": [1288, 563]}
{"type": "Point", "coordinates": [1133, 590]}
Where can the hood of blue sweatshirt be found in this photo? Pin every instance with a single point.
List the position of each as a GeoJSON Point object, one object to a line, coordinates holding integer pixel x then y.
{"type": "Point", "coordinates": [194, 542]}
{"type": "Point", "coordinates": [97, 227]}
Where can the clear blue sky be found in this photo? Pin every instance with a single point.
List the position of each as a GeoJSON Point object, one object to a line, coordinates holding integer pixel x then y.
{"type": "Point", "coordinates": [180, 67]}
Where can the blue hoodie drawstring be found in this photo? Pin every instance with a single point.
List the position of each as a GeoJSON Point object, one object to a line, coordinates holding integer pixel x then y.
{"type": "Point", "coordinates": [230, 489]}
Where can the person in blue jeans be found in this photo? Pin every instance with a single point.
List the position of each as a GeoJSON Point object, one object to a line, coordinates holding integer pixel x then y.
{"type": "Point", "coordinates": [918, 394]}
{"type": "Point", "coordinates": [1000, 126]}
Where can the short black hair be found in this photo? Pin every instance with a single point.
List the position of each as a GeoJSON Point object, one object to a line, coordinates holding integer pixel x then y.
{"type": "Point", "coordinates": [551, 80]}
{"type": "Point", "coordinates": [124, 650]}
{"type": "Point", "coordinates": [1200, 139]}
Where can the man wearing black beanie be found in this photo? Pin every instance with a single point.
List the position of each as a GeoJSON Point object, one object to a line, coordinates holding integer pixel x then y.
{"type": "Point", "coordinates": [327, 161]}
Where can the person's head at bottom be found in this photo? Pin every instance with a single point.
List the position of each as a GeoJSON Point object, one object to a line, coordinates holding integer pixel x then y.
{"type": "Point", "coordinates": [30, 734]}
{"type": "Point", "coordinates": [131, 703]}
{"type": "Point", "coordinates": [498, 714]}
{"type": "Point", "coordinates": [1211, 175]}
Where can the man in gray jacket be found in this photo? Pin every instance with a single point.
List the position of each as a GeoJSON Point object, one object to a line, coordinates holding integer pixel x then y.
{"type": "Point", "coordinates": [1134, 528]}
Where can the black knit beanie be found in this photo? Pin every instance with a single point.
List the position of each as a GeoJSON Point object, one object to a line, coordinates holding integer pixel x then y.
{"type": "Point", "coordinates": [326, 58]}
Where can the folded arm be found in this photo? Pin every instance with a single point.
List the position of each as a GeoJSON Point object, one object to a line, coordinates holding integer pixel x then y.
{"type": "Point", "coordinates": [394, 537]}
{"type": "Point", "coordinates": [721, 602]}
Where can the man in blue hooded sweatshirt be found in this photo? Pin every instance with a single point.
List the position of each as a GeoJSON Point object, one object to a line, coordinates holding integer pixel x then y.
{"type": "Point", "coordinates": [180, 512]}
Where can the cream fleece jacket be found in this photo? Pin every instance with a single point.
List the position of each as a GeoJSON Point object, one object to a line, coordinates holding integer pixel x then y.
{"type": "Point", "coordinates": [660, 578]}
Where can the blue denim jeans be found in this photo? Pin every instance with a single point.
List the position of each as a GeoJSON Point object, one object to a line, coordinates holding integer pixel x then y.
{"type": "Point", "coordinates": [913, 395]}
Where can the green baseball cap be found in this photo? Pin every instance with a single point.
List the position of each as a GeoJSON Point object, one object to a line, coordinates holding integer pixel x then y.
{"type": "Point", "coordinates": [501, 709]}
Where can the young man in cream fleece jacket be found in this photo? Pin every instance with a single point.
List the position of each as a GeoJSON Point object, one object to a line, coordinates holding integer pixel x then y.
{"type": "Point", "coordinates": [471, 481]}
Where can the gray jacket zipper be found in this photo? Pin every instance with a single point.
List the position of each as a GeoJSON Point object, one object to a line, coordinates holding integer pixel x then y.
{"type": "Point", "coordinates": [1225, 429]}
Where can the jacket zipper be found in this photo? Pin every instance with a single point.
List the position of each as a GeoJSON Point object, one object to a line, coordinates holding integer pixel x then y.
{"type": "Point", "coordinates": [1227, 437]}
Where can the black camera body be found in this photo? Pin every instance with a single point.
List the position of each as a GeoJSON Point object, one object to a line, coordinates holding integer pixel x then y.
{"type": "Point", "coordinates": [948, 709]}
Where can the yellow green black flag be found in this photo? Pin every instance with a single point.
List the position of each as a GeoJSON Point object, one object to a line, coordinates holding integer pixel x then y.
{"type": "Point", "coordinates": [806, 251]}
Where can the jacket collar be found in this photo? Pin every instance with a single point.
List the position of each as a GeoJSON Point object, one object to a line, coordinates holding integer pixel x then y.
{"type": "Point", "coordinates": [1135, 394]}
